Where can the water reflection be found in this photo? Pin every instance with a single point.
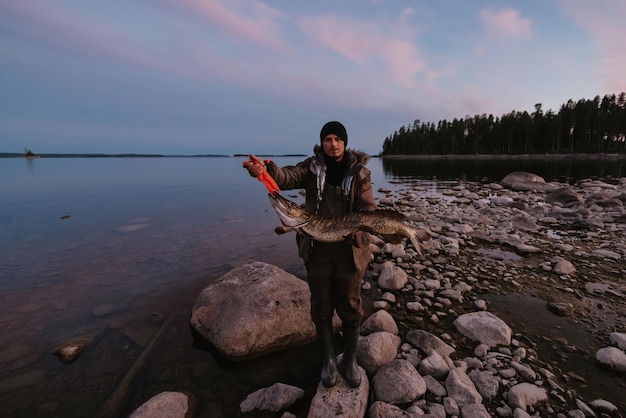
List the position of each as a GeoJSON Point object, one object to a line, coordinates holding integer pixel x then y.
{"type": "Point", "coordinates": [30, 165]}
{"type": "Point", "coordinates": [565, 170]}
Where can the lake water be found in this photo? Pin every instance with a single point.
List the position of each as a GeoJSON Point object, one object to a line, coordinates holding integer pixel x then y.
{"type": "Point", "coordinates": [110, 249]}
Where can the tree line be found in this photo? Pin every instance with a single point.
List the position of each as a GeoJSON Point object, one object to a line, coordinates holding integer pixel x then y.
{"type": "Point", "coordinates": [584, 126]}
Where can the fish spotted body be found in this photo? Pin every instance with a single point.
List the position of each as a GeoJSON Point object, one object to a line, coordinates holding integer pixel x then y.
{"type": "Point", "coordinates": [383, 222]}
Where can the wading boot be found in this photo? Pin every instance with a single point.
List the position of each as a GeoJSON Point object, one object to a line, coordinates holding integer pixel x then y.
{"type": "Point", "coordinates": [329, 373]}
{"type": "Point", "coordinates": [351, 369]}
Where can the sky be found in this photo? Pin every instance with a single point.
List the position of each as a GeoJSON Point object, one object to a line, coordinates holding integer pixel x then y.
{"type": "Point", "coordinates": [237, 76]}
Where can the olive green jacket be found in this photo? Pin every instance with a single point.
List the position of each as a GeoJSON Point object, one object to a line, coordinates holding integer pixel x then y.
{"type": "Point", "coordinates": [355, 194]}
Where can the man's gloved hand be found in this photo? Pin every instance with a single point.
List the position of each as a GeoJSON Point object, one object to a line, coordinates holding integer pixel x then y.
{"type": "Point", "coordinates": [255, 165]}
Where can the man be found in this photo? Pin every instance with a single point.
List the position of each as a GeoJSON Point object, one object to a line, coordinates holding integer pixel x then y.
{"type": "Point", "coordinates": [336, 182]}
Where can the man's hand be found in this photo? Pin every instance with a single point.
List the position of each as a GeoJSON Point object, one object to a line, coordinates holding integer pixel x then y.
{"type": "Point", "coordinates": [255, 165]}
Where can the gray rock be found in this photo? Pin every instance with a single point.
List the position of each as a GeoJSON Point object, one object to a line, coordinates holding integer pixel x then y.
{"type": "Point", "coordinates": [525, 394]}
{"type": "Point", "coordinates": [612, 358]}
{"type": "Point", "coordinates": [564, 267]}
{"type": "Point", "coordinates": [377, 349]}
{"type": "Point", "coordinates": [520, 413]}
{"type": "Point", "coordinates": [474, 410]}
{"type": "Point", "coordinates": [381, 410]}
{"type": "Point", "coordinates": [379, 321]}
{"type": "Point", "coordinates": [461, 389]}
{"type": "Point", "coordinates": [604, 406]}
{"type": "Point", "coordinates": [392, 277]}
{"type": "Point", "coordinates": [484, 327]}
{"type": "Point", "coordinates": [433, 386]}
{"type": "Point", "coordinates": [619, 339]}
{"type": "Point", "coordinates": [524, 371]}
{"type": "Point", "coordinates": [485, 382]}
{"type": "Point", "coordinates": [398, 382]}
{"type": "Point", "coordinates": [565, 195]}
{"type": "Point", "coordinates": [341, 399]}
{"type": "Point", "coordinates": [434, 365]}
{"type": "Point", "coordinates": [425, 341]}
{"type": "Point", "coordinates": [608, 254]}
{"type": "Point", "coordinates": [243, 327]}
{"type": "Point", "coordinates": [167, 404]}
{"type": "Point", "coordinates": [451, 407]}
{"type": "Point", "coordinates": [523, 181]}
{"type": "Point", "coordinates": [275, 398]}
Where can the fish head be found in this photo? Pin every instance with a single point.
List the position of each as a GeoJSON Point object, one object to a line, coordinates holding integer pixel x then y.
{"type": "Point", "coordinates": [289, 213]}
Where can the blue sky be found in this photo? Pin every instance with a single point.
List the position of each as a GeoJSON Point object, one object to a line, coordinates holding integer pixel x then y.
{"type": "Point", "coordinates": [235, 76]}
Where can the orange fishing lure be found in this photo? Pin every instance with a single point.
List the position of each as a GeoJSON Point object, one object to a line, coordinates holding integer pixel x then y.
{"type": "Point", "coordinates": [264, 177]}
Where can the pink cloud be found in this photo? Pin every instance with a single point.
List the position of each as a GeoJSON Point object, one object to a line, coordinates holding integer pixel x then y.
{"type": "Point", "coordinates": [61, 29]}
{"type": "Point", "coordinates": [506, 24]}
{"type": "Point", "coordinates": [366, 43]}
{"type": "Point", "coordinates": [604, 23]}
{"type": "Point", "coordinates": [246, 21]}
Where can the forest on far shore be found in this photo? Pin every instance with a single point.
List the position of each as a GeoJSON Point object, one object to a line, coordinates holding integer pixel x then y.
{"type": "Point", "coordinates": [581, 127]}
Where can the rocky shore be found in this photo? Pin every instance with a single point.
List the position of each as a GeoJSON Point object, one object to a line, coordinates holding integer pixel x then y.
{"type": "Point", "coordinates": [432, 344]}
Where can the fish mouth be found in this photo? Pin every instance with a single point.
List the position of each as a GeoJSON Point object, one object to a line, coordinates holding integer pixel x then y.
{"type": "Point", "coordinates": [283, 208]}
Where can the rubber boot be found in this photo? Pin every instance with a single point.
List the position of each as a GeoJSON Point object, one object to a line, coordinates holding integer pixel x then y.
{"type": "Point", "coordinates": [329, 374]}
{"type": "Point", "coordinates": [351, 368]}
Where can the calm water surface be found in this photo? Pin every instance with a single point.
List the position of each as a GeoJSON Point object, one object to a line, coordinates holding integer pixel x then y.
{"type": "Point", "coordinates": [105, 250]}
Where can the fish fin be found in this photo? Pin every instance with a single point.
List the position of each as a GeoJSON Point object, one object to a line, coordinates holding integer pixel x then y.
{"type": "Point", "coordinates": [418, 246]}
{"type": "Point", "coordinates": [391, 214]}
{"type": "Point", "coordinates": [423, 234]}
{"type": "Point", "coordinates": [281, 229]}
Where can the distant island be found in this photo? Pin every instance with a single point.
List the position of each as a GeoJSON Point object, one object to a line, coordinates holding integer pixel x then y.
{"type": "Point", "coordinates": [29, 154]}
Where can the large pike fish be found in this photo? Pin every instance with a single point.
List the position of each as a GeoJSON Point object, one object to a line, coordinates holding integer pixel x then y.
{"type": "Point", "coordinates": [389, 224]}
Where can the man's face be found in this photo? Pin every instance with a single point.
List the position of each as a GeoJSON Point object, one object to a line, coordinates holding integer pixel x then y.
{"type": "Point", "coordinates": [333, 147]}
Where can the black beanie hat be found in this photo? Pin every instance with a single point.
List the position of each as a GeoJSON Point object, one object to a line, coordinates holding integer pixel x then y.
{"type": "Point", "coordinates": [335, 128]}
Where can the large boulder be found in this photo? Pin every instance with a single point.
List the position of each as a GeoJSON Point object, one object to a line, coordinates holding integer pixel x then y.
{"type": "Point", "coordinates": [565, 196]}
{"type": "Point", "coordinates": [341, 400]}
{"type": "Point", "coordinates": [254, 309]}
{"type": "Point", "coordinates": [484, 327]}
{"type": "Point", "coordinates": [523, 181]}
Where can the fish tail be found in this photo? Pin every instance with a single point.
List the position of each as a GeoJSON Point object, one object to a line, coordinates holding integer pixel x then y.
{"type": "Point", "coordinates": [416, 244]}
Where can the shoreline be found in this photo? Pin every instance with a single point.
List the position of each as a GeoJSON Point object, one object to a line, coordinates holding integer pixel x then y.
{"type": "Point", "coordinates": [598, 156]}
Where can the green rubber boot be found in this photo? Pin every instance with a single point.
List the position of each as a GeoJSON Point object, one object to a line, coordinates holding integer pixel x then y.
{"type": "Point", "coordinates": [329, 374]}
{"type": "Point", "coordinates": [351, 368]}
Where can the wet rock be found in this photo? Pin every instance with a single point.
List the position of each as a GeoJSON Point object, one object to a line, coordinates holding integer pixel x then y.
{"type": "Point", "coordinates": [70, 352]}
{"type": "Point", "coordinates": [392, 277]}
{"type": "Point", "coordinates": [608, 254]}
{"type": "Point", "coordinates": [612, 358]}
{"type": "Point", "coordinates": [377, 349]}
{"type": "Point", "coordinates": [564, 195]}
{"type": "Point", "coordinates": [619, 339]}
{"type": "Point", "coordinates": [434, 365]}
{"type": "Point", "coordinates": [379, 321]}
{"type": "Point", "coordinates": [485, 382]}
{"type": "Point", "coordinates": [474, 410]}
{"type": "Point", "coordinates": [564, 267]}
{"type": "Point", "coordinates": [484, 327]}
{"type": "Point", "coordinates": [167, 404]}
{"type": "Point", "coordinates": [603, 406]}
{"type": "Point", "coordinates": [341, 399]}
{"type": "Point", "coordinates": [398, 382]}
{"type": "Point", "coordinates": [380, 409]}
{"type": "Point", "coordinates": [461, 388]}
{"type": "Point", "coordinates": [525, 394]}
{"type": "Point", "coordinates": [275, 398]}
{"type": "Point", "coordinates": [425, 341]}
{"type": "Point", "coordinates": [560, 309]}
